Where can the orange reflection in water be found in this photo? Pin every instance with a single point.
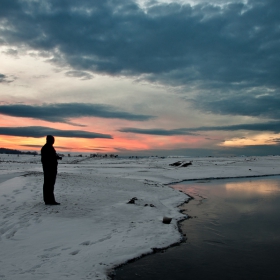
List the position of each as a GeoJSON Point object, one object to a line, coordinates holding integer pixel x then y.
{"type": "Point", "coordinates": [265, 187]}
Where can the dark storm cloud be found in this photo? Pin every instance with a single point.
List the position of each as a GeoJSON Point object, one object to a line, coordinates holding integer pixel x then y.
{"type": "Point", "coordinates": [268, 126]}
{"type": "Point", "coordinates": [61, 112]}
{"type": "Point", "coordinates": [246, 104]}
{"type": "Point", "coordinates": [40, 131]}
{"type": "Point", "coordinates": [234, 43]}
{"type": "Point", "coordinates": [228, 50]}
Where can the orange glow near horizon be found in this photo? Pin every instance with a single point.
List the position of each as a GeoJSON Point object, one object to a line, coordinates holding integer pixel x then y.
{"type": "Point", "coordinates": [261, 139]}
{"type": "Point", "coordinates": [19, 143]}
{"type": "Point", "coordinates": [121, 141]}
{"type": "Point", "coordinates": [129, 143]}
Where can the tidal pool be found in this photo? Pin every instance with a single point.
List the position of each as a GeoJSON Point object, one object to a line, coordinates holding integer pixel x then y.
{"type": "Point", "coordinates": [233, 233]}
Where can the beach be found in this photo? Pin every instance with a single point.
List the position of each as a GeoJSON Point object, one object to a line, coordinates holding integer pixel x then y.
{"type": "Point", "coordinates": [96, 228]}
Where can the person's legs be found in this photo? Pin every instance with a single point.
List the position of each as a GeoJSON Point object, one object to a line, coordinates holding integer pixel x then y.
{"type": "Point", "coordinates": [48, 187]}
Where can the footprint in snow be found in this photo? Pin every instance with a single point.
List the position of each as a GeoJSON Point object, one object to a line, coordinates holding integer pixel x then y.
{"type": "Point", "coordinates": [86, 243]}
{"type": "Point", "coordinates": [74, 252]}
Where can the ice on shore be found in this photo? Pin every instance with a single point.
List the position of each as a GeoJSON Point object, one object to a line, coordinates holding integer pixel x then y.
{"type": "Point", "coordinates": [95, 228]}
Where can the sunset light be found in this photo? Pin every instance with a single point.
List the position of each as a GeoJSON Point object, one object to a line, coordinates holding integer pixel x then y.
{"type": "Point", "coordinates": [150, 78]}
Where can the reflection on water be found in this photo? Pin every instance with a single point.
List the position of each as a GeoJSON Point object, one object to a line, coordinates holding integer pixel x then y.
{"type": "Point", "coordinates": [233, 233]}
{"type": "Point", "coordinates": [266, 187]}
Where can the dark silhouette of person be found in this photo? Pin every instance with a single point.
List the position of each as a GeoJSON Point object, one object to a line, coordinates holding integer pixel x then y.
{"type": "Point", "coordinates": [49, 161]}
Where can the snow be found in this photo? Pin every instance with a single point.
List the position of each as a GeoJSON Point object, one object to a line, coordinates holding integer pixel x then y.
{"type": "Point", "coordinates": [95, 229]}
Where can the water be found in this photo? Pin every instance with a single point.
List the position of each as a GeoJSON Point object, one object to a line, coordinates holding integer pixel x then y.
{"type": "Point", "coordinates": [234, 233]}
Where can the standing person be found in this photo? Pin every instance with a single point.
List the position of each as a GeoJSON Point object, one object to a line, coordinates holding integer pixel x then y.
{"type": "Point", "coordinates": [49, 161]}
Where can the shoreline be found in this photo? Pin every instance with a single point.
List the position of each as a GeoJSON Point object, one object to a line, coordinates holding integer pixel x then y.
{"type": "Point", "coordinates": [112, 273]}
{"type": "Point", "coordinates": [150, 266]}
{"type": "Point", "coordinates": [221, 178]}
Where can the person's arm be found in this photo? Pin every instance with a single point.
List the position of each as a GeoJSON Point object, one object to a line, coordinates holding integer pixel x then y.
{"type": "Point", "coordinates": [58, 157]}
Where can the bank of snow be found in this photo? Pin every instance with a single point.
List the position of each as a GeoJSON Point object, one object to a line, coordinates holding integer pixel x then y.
{"type": "Point", "coordinates": [95, 229]}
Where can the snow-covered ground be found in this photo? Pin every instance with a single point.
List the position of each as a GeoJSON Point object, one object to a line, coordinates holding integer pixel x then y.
{"type": "Point", "coordinates": [95, 229]}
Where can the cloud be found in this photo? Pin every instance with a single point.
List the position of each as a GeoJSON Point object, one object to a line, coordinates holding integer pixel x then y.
{"type": "Point", "coordinates": [122, 149]}
{"type": "Point", "coordinates": [79, 74]}
{"type": "Point", "coordinates": [32, 146]}
{"type": "Point", "coordinates": [95, 149]}
{"type": "Point", "coordinates": [2, 78]}
{"type": "Point", "coordinates": [11, 52]}
{"type": "Point", "coordinates": [236, 42]}
{"type": "Point", "coordinates": [66, 148]}
{"type": "Point", "coordinates": [5, 79]}
{"type": "Point", "coordinates": [61, 112]}
{"type": "Point", "coordinates": [217, 50]}
{"type": "Point", "coordinates": [268, 126]}
{"type": "Point", "coordinates": [244, 104]}
{"type": "Point", "coordinates": [40, 131]}
{"type": "Point", "coordinates": [157, 131]}
{"type": "Point", "coordinates": [40, 146]}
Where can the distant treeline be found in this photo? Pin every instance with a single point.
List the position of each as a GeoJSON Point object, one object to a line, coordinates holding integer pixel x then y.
{"type": "Point", "coordinates": [16, 152]}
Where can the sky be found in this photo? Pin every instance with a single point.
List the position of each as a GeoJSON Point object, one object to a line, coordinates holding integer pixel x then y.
{"type": "Point", "coordinates": [198, 78]}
